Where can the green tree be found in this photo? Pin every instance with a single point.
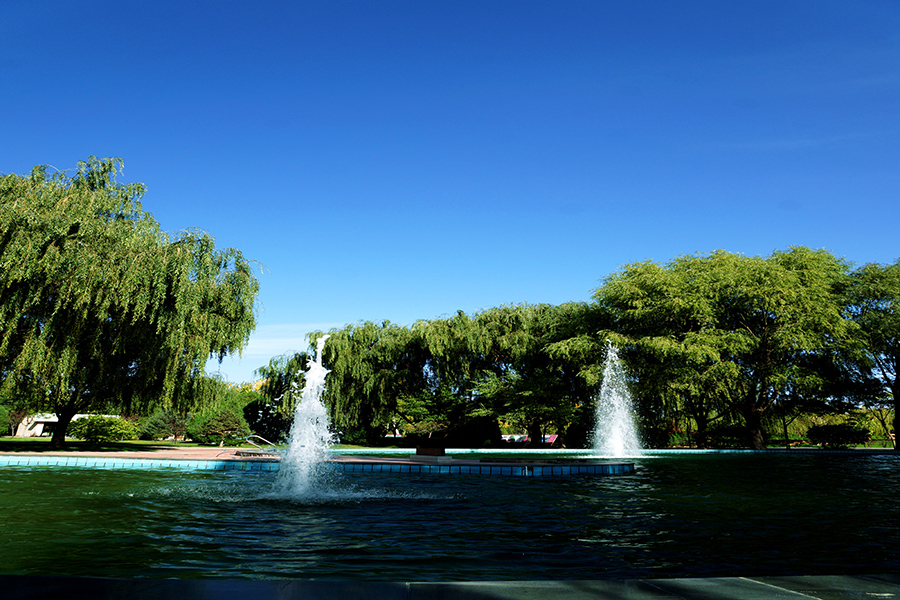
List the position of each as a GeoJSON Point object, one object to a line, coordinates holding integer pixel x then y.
{"type": "Point", "coordinates": [163, 424]}
{"type": "Point", "coordinates": [220, 419]}
{"type": "Point", "coordinates": [373, 367]}
{"type": "Point", "coordinates": [873, 301]}
{"type": "Point", "coordinates": [530, 380]}
{"type": "Point", "coordinates": [728, 330]}
{"type": "Point", "coordinates": [456, 352]}
{"type": "Point", "coordinates": [99, 309]}
{"type": "Point", "coordinates": [283, 381]}
{"type": "Point", "coordinates": [219, 427]}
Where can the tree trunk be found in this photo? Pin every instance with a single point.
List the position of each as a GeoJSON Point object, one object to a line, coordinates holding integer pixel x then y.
{"type": "Point", "coordinates": [787, 441]}
{"type": "Point", "coordinates": [535, 435]}
{"type": "Point", "coordinates": [702, 436]}
{"type": "Point", "coordinates": [64, 415]}
{"type": "Point", "coordinates": [754, 430]}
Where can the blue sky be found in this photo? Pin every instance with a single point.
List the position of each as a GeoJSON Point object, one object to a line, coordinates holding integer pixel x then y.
{"type": "Point", "coordinates": [390, 160]}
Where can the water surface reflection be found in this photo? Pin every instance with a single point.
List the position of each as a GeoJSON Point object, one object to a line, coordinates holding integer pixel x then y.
{"type": "Point", "coordinates": [706, 515]}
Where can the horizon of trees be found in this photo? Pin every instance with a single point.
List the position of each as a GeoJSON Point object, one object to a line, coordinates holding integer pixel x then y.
{"type": "Point", "coordinates": [101, 311]}
{"type": "Point", "coordinates": [714, 343]}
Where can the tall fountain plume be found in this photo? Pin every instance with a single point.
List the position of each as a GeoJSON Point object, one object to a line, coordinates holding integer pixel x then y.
{"type": "Point", "coordinates": [615, 433]}
{"type": "Point", "coordinates": [303, 465]}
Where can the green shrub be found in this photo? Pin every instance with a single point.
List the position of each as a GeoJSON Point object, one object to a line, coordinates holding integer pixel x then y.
{"type": "Point", "coordinates": [837, 436]}
{"type": "Point", "coordinates": [725, 436]}
{"type": "Point", "coordinates": [224, 427]}
{"type": "Point", "coordinates": [98, 429]}
{"type": "Point", "coordinates": [164, 424]}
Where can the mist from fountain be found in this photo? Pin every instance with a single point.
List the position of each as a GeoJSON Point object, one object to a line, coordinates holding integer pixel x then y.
{"type": "Point", "coordinates": [304, 466]}
{"type": "Point", "coordinates": [615, 434]}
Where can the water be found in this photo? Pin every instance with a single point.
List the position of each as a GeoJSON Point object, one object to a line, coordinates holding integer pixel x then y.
{"type": "Point", "coordinates": [701, 515]}
{"type": "Point", "coordinates": [615, 434]}
{"type": "Point", "coordinates": [302, 473]}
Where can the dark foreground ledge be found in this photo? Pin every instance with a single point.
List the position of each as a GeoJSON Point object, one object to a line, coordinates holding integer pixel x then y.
{"type": "Point", "coordinates": [837, 587]}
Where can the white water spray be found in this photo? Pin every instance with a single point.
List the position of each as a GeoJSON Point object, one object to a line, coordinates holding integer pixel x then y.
{"type": "Point", "coordinates": [615, 434]}
{"type": "Point", "coordinates": [303, 465]}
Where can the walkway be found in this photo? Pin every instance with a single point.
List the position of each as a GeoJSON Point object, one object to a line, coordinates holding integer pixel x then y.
{"type": "Point", "coordinates": [736, 588]}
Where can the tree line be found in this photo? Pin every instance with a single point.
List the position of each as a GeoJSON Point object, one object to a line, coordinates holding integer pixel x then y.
{"type": "Point", "coordinates": [713, 342]}
{"type": "Point", "coordinates": [103, 312]}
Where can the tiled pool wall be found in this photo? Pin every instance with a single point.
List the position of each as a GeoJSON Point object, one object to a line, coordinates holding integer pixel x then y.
{"type": "Point", "coordinates": [97, 462]}
{"type": "Point", "coordinates": [347, 467]}
{"type": "Point", "coordinates": [510, 470]}
{"type": "Point", "coordinates": [373, 466]}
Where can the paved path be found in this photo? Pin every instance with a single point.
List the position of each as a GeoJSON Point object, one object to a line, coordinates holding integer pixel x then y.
{"type": "Point", "coordinates": [718, 588]}
{"type": "Point", "coordinates": [154, 452]}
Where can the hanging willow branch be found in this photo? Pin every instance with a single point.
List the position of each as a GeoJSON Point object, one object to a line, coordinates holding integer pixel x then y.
{"type": "Point", "coordinates": [98, 306]}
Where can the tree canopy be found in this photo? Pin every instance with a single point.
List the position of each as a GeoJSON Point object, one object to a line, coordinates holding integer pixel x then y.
{"type": "Point", "coordinates": [99, 308]}
{"type": "Point", "coordinates": [873, 302]}
{"type": "Point", "coordinates": [722, 344]}
{"type": "Point", "coordinates": [726, 330]}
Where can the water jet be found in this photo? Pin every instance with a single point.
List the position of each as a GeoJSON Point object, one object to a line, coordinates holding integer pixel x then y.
{"type": "Point", "coordinates": [615, 434]}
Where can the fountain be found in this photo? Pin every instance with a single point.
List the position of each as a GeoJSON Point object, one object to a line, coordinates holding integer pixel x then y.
{"type": "Point", "coordinates": [615, 434]}
{"type": "Point", "coordinates": [304, 464]}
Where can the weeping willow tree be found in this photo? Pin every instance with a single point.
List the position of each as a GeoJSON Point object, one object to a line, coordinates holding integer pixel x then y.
{"type": "Point", "coordinates": [459, 376]}
{"type": "Point", "coordinates": [283, 381]}
{"type": "Point", "coordinates": [374, 367]}
{"type": "Point", "coordinates": [99, 309]}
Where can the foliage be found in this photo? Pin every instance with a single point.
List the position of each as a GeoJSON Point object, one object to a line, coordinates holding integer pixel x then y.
{"type": "Point", "coordinates": [164, 424]}
{"type": "Point", "coordinates": [373, 366]}
{"type": "Point", "coordinates": [725, 333]}
{"type": "Point", "coordinates": [6, 419]}
{"type": "Point", "coordinates": [726, 436]}
{"type": "Point", "coordinates": [283, 381]}
{"type": "Point", "coordinates": [873, 302]}
{"type": "Point", "coordinates": [13, 410]}
{"type": "Point", "coordinates": [267, 421]}
{"type": "Point", "coordinates": [99, 429]}
{"type": "Point", "coordinates": [450, 378]}
{"type": "Point", "coordinates": [221, 420]}
{"type": "Point", "coordinates": [530, 379]}
{"type": "Point", "coordinates": [839, 435]}
{"type": "Point", "coordinates": [221, 427]}
{"type": "Point", "coordinates": [723, 350]}
{"type": "Point", "coordinates": [101, 310]}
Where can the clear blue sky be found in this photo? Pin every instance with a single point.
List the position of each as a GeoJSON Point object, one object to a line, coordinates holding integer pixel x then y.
{"type": "Point", "coordinates": [399, 161]}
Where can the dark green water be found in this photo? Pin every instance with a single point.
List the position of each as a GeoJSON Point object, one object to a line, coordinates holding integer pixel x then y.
{"type": "Point", "coordinates": [706, 515]}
